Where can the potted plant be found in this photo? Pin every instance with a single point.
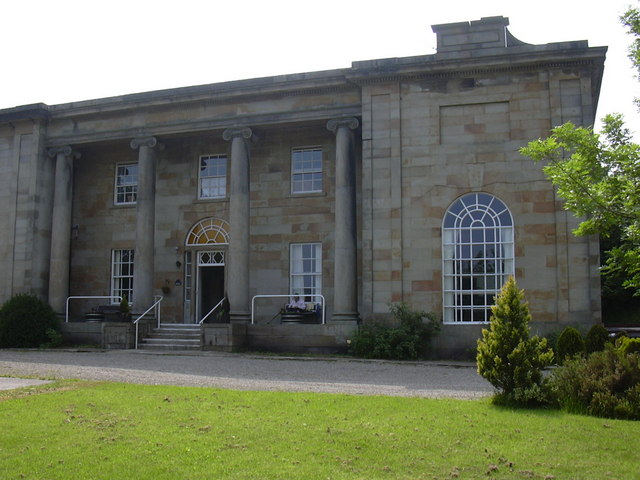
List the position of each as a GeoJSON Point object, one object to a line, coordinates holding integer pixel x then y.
{"type": "Point", "coordinates": [125, 309]}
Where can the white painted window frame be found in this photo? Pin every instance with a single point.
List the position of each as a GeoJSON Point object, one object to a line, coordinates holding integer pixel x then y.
{"type": "Point", "coordinates": [306, 170]}
{"type": "Point", "coordinates": [305, 269]}
{"type": "Point", "coordinates": [128, 190]}
{"type": "Point", "coordinates": [119, 274]}
{"type": "Point", "coordinates": [216, 174]}
{"type": "Point", "coordinates": [477, 256]}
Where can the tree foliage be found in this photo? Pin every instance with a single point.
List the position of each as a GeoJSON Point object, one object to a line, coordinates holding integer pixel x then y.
{"type": "Point", "coordinates": [508, 357]}
{"type": "Point", "coordinates": [631, 20]}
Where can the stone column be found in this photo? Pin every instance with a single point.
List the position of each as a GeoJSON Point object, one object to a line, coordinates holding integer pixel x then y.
{"type": "Point", "coordinates": [61, 227]}
{"type": "Point", "coordinates": [345, 299]}
{"type": "Point", "coordinates": [143, 271]}
{"type": "Point", "coordinates": [238, 265]}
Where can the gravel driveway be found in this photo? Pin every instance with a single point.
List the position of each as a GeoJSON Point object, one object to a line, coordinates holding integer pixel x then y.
{"type": "Point", "coordinates": [252, 372]}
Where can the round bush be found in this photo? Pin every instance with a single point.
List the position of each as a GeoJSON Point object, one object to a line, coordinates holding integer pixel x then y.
{"type": "Point", "coordinates": [569, 344]}
{"type": "Point", "coordinates": [26, 322]}
{"type": "Point", "coordinates": [596, 338]}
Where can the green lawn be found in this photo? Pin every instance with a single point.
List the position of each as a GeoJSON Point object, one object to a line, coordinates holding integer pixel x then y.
{"type": "Point", "coordinates": [85, 430]}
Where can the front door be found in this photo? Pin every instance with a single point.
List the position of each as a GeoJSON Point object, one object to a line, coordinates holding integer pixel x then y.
{"type": "Point", "coordinates": [210, 281]}
{"type": "Point", "coordinates": [211, 288]}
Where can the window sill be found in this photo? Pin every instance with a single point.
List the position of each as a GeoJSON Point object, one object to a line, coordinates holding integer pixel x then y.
{"type": "Point", "coordinates": [307, 194]}
{"type": "Point", "coordinates": [212, 200]}
{"type": "Point", "coordinates": [466, 323]}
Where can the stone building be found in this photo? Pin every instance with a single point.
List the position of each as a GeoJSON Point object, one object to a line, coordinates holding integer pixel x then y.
{"type": "Point", "coordinates": [394, 180]}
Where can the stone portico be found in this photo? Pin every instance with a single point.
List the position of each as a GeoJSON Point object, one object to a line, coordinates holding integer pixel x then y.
{"type": "Point", "coordinates": [332, 183]}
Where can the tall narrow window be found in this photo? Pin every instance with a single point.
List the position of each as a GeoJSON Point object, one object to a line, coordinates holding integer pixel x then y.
{"type": "Point", "coordinates": [306, 270]}
{"type": "Point", "coordinates": [212, 176]}
{"type": "Point", "coordinates": [477, 244]}
{"type": "Point", "coordinates": [126, 190]}
{"type": "Point", "coordinates": [122, 273]}
{"type": "Point", "coordinates": [306, 170]}
{"type": "Point", "coordinates": [188, 276]}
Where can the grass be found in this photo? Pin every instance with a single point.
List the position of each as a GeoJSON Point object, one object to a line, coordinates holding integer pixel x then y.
{"type": "Point", "coordinates": [89, 430]}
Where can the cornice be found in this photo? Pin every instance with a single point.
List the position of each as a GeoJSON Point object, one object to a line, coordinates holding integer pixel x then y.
{"type": "Point", "coordinates": [268, 88]}
{"type": "Point", "coordinates": [179, 127]}
{"type": "Point", "coordinates": [464, 67]}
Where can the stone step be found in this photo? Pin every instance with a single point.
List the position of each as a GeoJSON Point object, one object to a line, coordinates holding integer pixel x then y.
{"type": "Point", "coordinates": [168, 336]}
{"type": "Point", "coordinates": [177, 341]}
{"type": "Point", "coordinates": [168, 346]}
{"type": "Point", "coordinates": [173, 336]}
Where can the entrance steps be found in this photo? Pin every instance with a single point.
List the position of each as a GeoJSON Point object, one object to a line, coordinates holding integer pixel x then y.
{"type": "Point", "coordinates": [173, 336]}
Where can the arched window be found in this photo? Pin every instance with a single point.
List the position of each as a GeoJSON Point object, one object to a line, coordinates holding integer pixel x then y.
{"type": "Point", "coordinates": [207, 232]}
{"type": "Point", "coordinates": [477, 253]}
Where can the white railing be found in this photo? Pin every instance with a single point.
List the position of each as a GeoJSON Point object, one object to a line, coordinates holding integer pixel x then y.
{"type": "Point", "coordinates": [211, 311]}
{"type": "Point", "coordinates": [155, 306]}
{"type": "Point", "coordinates": [66, 309]}
{"type": "Point", "coordinates": [253, 300]}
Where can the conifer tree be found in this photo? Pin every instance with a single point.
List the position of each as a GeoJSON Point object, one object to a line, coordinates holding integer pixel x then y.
{"type": "Point", "coordinates": [508, 357]}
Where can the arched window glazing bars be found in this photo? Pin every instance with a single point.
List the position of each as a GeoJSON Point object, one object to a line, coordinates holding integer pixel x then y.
{"type": "Point", "coordinates": [208, 231]}
{"type": "Point", "coordinates": [478, 256]}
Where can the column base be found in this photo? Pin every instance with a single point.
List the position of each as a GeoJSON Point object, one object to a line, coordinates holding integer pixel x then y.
{"type": "Point", "coordinates": [346, 317]}
{"type": "Point", "coordinates": [240, 317]}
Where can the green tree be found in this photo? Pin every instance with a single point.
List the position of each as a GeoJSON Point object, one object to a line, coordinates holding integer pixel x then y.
{"type": "Point", "coordinates": [631, 20]}
{"type": "Point", "coordinates": [508, 357]}
{"type": "Point", "coordinates": [598, 176]}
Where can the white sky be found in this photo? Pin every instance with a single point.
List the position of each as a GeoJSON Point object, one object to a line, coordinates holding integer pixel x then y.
{"type": "Point", "coordinates": [59, 51]}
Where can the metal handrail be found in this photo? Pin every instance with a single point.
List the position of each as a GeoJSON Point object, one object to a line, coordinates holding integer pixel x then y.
{"type": "Point", "coordinates": [155, 305]}
{"type": "Point", "coordinates": [211, 311]}
{"type": "Point", "coordinates": [285, 296]}
{"type": "Point", "coordinates": [66, 308]}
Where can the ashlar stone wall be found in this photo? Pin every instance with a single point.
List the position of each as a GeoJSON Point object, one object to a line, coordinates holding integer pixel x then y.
{"type": "Point", "coordinates": [428, 142]}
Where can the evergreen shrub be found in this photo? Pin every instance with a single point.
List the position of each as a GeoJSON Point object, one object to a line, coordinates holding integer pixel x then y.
{"type": "Point", "coordinates": [27, 322]}
{"type": "Point", "coordinates": [604, 384]}
{"type": "Point", "coordinates": [628, 345]}
{"type": "Point", "coordinates": [569, 344]}
{"type": "Point", "coordinates": [597, 337]}
{"type": "Point", "coordinates": [508, 357]}
{"type": "Point", "coordinates": [408, 341]}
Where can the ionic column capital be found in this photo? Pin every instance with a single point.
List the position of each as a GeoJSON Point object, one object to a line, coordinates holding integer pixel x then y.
{"type": "Point", "coordinates": [65, 150]}
{"type": "Point", "coordinates": [349, 122]}
{"type": "Point", "coordinates": [149, 141]}
{"type": "Point", "coordinates": [243, 132]}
